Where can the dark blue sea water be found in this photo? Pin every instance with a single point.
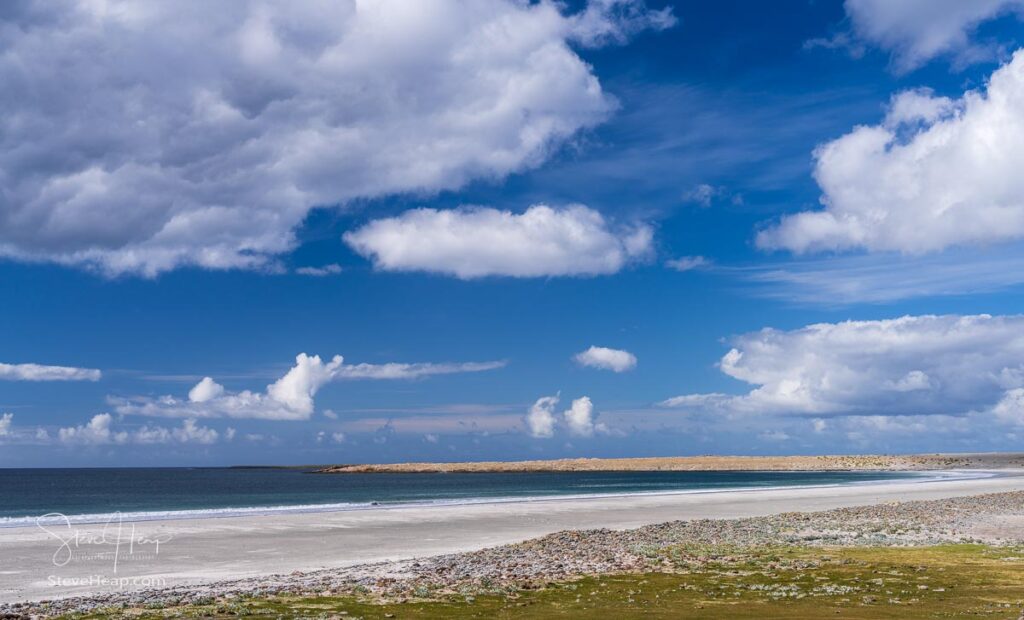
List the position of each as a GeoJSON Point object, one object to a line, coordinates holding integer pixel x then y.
{"type": "Point", "coordinates": [93, 494]}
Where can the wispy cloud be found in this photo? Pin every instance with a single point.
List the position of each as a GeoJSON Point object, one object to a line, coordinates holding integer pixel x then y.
{"type": "Point", "coordinates": [884, 278]}
{"type": "Point", "coordinates": [395, 370]}
{"type": "Point", "coordinates": [470, 409]}
{"type": "Point", "coordinates": [437, 424]}
{"type": "Point", "coordinates": [669, 135]}
{"type": "Point", "coordinates": [321, 271]}
{"type": "Point", "coordinates": [688, 263]}
{"type": "Point", "coordinates": [39, 372]}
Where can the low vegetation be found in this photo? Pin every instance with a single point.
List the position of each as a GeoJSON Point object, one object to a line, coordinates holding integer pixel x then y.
{"type": "Point", "coordinates": [714, 582]}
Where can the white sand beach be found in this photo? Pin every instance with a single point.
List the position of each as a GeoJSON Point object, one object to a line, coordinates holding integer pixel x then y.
{"type": "Point", "coordinates": [194, 551]}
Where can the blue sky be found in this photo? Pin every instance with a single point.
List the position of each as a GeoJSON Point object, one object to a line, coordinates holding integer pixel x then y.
{"type": "Point", "coordinates": [484, 194]}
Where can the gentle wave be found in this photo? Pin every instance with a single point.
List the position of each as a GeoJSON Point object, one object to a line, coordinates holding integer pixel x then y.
{"type": "Point", "coordinates": [215, 513]}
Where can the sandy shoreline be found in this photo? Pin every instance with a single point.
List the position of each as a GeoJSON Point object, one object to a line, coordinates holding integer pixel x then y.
{"type": "Point", "coordinates": [201, 551]}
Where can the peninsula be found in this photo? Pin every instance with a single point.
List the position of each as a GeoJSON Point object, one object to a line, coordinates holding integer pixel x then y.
{"type": "Point", "coordinates": [912, 462]}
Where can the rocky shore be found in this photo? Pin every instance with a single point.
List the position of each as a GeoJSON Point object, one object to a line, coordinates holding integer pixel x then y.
{"type": "Point", "coordinates": [995, 519]}
{"type": "Point", "coordinates": [913, 462]}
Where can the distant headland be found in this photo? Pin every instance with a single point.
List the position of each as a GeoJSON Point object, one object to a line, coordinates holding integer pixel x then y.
{"type": "Point", "coordinates": [905, 462]}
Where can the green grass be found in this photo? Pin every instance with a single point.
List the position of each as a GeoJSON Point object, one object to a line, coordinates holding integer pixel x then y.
{"type": "Point", "coordinates": [962, 581]}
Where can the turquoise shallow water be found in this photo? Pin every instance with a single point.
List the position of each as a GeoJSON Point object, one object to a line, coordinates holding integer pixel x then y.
{"type": "Point", "coordinates": [93, 494]}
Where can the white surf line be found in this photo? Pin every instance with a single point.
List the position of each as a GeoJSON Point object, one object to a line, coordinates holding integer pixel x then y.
{"type": "Point", "coordinates": [911, 477]}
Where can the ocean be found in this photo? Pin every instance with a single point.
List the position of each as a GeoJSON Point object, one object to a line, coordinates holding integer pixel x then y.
{"type": "Point", "coordinates": [96, 495]}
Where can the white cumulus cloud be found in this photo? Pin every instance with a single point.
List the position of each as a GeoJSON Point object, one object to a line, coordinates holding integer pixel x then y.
{"type": "Point", "coordinates": [540, 420]}
{"type": "Point", "coordinates": [296, 389]}
{"type": "Point", "coordinates": [191, 432]}
{"type": "Point", "coordinates": [205, 390]}
{"type": "Point", "coordinates": [98, 431]}
{"type": "Point", "coordinates": [615, 360]}
{"type": "Point", "coordinates": [10, 434]}
{"type": "Point", "coordinates": [475, 242]}
{"type": "Point", "coordinates": [579, 418]}
{"type": "Point", "coordinates": [912, 365]}
{"type": "Point", "coordinates": [916, 31]}
{"type": "Point", "coordinates": [39, 372]}
{"type": "Point", "coordinates": [289, 398]}
{"type": "Point", "coordinates": [936, 173]}
{"type": "Point", "coordinates": [137, 137]}
{"type": "Point", "coordinates": [1010, 408]}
